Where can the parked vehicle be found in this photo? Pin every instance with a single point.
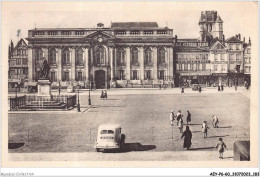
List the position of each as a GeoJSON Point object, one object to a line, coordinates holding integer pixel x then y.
{"type": "Point", "coordinates": [109, 137]}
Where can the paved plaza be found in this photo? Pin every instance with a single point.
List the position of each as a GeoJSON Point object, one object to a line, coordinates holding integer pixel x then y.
{"type": "Point", "coordinates": [144, 117]}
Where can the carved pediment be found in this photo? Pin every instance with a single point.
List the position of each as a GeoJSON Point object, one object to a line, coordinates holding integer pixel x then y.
{"type": "Point", "coordinates": [99, 37]}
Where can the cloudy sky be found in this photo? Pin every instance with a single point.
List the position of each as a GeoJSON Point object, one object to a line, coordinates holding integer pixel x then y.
{"type": "Point", "coordinates": [183, 17]}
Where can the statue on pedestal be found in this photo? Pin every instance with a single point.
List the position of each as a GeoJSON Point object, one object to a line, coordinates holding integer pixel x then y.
{"type": "Point", "coordinates": [45, 69]}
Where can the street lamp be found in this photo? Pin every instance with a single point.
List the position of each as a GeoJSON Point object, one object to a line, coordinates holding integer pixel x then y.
{"type": "Point", "coordinates": [16, 85]}
{"type": "Point", "coordinates": [236, 79]}
{"type": "Point", "coordinates": [78, 105]}
{"type": "Point", "coordinates": [89, 99]}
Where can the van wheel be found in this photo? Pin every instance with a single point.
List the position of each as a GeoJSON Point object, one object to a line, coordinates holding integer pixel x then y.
{"type": "Point", "coordinates": [98, 150]}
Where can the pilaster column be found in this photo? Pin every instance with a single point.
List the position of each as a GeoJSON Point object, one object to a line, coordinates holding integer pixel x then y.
{"type": "Point", "coordinates": [128, 64]}
{"type": "Point", "coordinates": [155, 68]}
{"type": "Point", "coordinates": [85, 58]}
{"type": "Point", "coordinates": [73, 63]}
{"type": "Point", "coordinates": [45, 54]}
{"type": "Point", "coordinates": [171, 63]}
{"type": "Point", "coordinates": [59, 64]}
{"type": "Point", "coordinates": [115, 58]}
{"type": "Point", "coordinates": [141, 59]}
{"type": "Point", "coordinates": [31, 64]}
{"type": "Point", "coordinates": [111, 63]}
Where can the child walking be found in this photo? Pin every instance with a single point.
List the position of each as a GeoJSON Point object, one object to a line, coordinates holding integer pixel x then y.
{"type": "Point", "coordinates": [221, 145]}
{"type": "Point", "coordinates": [205, 129]}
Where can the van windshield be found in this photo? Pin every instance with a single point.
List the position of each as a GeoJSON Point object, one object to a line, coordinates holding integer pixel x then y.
{"type": "Point", "coordinates": [107, 132]}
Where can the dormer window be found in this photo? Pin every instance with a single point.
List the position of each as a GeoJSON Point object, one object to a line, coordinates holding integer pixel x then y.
{"type": "Point", "coordinates": [163, 32]}
{"type": "Point", "coordinates": [100, 25]}
{"type": "Point", "coordinates": [121, 32]}
{"type": "Point", "coordinates": [79, 33]}
{"type": "Point", "coordinates": [52, 33]}
{"type": "Point", "coordinates": [39, 33]}
{"type": "Point", "coordinates": [135, 32]}
{"type": "Point", "coordinates": [66, 33]}
{"type": "Point", "coordinates": [148, 32]}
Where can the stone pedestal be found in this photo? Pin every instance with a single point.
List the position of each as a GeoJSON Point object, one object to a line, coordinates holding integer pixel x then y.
{"type": "Point", "coordinates": [44, 88]}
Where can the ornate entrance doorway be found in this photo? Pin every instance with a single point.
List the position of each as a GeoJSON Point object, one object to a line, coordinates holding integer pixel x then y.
{"type": "Point", "coordinates": [100, 79]}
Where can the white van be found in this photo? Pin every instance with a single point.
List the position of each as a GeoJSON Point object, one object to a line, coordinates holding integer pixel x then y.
{"type": "Point", "coordinates": [109, 137]}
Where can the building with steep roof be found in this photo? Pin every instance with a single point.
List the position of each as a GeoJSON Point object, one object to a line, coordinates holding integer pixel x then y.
{"type": "Point", "coordinates": [18, 65]}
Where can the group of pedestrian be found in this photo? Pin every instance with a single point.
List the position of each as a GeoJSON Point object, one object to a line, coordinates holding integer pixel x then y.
{"type": "Point", "coordinates": [221, 88]}
{"type": "Point", "coordinates": [179, 119]}
{"type": "Point", "coordinates": [187, 134]}
{"type": "Point", "coordinates": [103, 95]}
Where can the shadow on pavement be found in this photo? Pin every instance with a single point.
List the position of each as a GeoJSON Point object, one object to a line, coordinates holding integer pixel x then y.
{"type": "Point", "coordinates": [15, 145]}
{"type": "Point", "coordinates": [217, 136]}
{"type": "Point", "coordinates": [228, 157]}
{"type": "Point", "coordinates": [226, 127]}
{"type": "Point", "coordinates": [107, 106]}
{"type": "Point", "coordinates": [136, 147]}
{"type": "Point", "coordinates": [196, 132]}
{"type": "Point", "coordinates": [202, 148]}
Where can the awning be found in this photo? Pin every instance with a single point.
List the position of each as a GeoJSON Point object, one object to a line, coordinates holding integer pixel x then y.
{"type": "Point", "coordinates": [196, 74]}
{"type": "Point", "coordinates": [30, 84]}
{"type": "Point", "coordinates": [219, 74]}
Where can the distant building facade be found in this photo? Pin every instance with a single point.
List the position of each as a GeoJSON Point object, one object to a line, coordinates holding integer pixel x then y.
{"type": "Point", "coordinates": [247, 61]}
{"type": "Point", "coordinates": [131, 54]}
{"type": "Point", "coordinates": [18, 65]}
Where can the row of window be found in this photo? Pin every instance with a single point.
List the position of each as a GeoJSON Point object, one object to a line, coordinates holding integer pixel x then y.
{"type": "Point", "coordinates": [147, 75]}
{"type": "Point", "coordinates": [100, 56]}
{"type": "Point", "coordinates": [192, 56]}
{"type": "Point", "coordinates": [21, 52]}
{"type": "Point", "coordinates": [247, 69]}
{"type": "Point", "coordinates": [19, 61]}
{"type": "Point", "coordinates": [191, 67]}
{"type": "Point", "coordinates": [19, 71]}
{"type": "Point", "coordinates": [234, 46]}
{"type": "Point", "coordinates": [223, 68]}
{"type": "Point", "coordinates": [232, 56]}
{"type": "Point", "coordinates": [247, 60]}
{"type": "Point", "coordinates": [137, 32]}
{"type": "Point", "coordinates": [54, 33]}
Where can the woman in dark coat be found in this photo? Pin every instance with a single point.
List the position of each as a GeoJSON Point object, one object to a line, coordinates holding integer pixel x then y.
{"type": "Point", "coordinates": [187, 138]}
{"type": "Point", "coordinates": [188, 119]}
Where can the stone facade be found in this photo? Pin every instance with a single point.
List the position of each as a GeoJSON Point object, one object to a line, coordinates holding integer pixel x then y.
{"type": "Point", "coordinates": [127, 54]}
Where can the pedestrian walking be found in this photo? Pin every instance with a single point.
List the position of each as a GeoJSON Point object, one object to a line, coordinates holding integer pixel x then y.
{"type": "Point", "coordinates": [105, 94]}
{"type": "Point", "coordinates": [182, 89]}
{"type": "Point", "coordinates": [59, 88]}
{"type": "Point", "coordinates": [172, 117]}
{"type": "Point", "coordinates": [102, 95]}
{"type": "Point", "coordinates": [188, 119]}
{"type": "Point", "coordinates": [180, 125]}
{"type": "Point", "coordinates": [236, 87]}
{"type": "Point", "coordinates": [200, 89]}
{"type": "Point", "coordinates": [179, 116]}
{"type": "Point", "coordinates": [215, 121]}
{"type": "Point", "coordinates": [218, 88]}
{"type": "Point", "coordinates": [187, 138]}
{"type": "Point", "coordinates": [205, 129]}
{"type": "Point", "coordinates": [221, 147]}
{"type": "Point", "coordinates": [222, 87]}
{"type": "Point", "coordinates": [160, 86]}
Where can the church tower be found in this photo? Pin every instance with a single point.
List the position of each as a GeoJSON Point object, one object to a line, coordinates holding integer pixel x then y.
{"type": "Point", "coordinates": [211, 26]}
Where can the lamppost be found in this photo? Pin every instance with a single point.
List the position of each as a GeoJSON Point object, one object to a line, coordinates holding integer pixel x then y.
{"type": "Point", "coordinates": [236, 78]}
{"type": "Point", "coordinates": [78, 105]}
{"type": "Point", "coordinates": [16, 85]}
{"type": "Point", "coordinates": [89, 99]}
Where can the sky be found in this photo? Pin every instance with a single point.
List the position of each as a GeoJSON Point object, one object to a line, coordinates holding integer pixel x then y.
{"type": "Point", "coordinates": [182, 17]}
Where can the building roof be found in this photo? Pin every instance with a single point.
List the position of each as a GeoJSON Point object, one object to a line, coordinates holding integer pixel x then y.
{"type": "Point", "coordinates": [134, 25]}
{"type": "Point", "coordinates": [219, 19]}
{"type": "Point", "coordinates": [188, 40]}
{"type": "Point", "coordinates": [233, 39]}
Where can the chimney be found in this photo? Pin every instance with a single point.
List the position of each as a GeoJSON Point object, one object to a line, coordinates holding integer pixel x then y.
{"type": "Point", "coordinates": [249, 41]}
{"type": "Point", "coordinates": [239, 36]}
{"type": "Point", "coordinates": [176, 38]}
{"type": "Point", "coordinates": [223, 37]}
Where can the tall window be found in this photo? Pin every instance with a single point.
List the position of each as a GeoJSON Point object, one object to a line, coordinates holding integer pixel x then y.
{"type": "Point", "coordinates": [185, 67]}
{"type": "Point", "coordinates": [198, 66]}
{"type": "Point", "coordinates": [191, 66]}
{"type": "Point", "coordinates": [222, 56]}
{"type": "Point", "coordinates": [215, 57]}
{"type": "Point", "coordinates": [25, 62]}
{"type": "Point", "coordinates": [231, 47]}
{"type": "Point", "coordinates": [248, 50]}
{"type": "Point", "coordinates": [120, 56]}
{"type": "Point", "coordinates": [100, 55]}
{"type": "Point", "coordinates": [66, 57]}
{"type": "Point", "coordinates": [238, 56]}
{"type": "Point", "coordinates": [223, 68]}
{"type": "Point", "coordinates": [231, 56]}
{"type": "Point", "coordinates": [66, 76]}
{"type": "Point", "coordinates": [121, 75]}
{"type": "Point", "coordinates": [52, 56]}
{"type": "Point", "coordinates": [18, 61]}
{"type": "Point", "coordinates": [203, 66]}
{"type": "Point", "coordinates": [148, 75]}
{"type": "Point", "coordinates": [161, 56]}
{"type": "Point", "coordinates": [148, 55]}
{"type": "Point", "coordinates": [38, 55]}
{"type": "Point", "coordinates": [238, 46]}
{"type": "Point", "coordinates": [215, 67]}
{"type": "Point", "coordinates": [79, 57]}
{"type": "Point", "coordinates": [134, 56]}
{"type": "Point", "coordinates": [53, 76]}
{"type": "Point", "coordinates": [161, 75]}
{"type": "Point", "coordinates": [135, 77]}
{"type": "Point", "coordinates": [79, 76]}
